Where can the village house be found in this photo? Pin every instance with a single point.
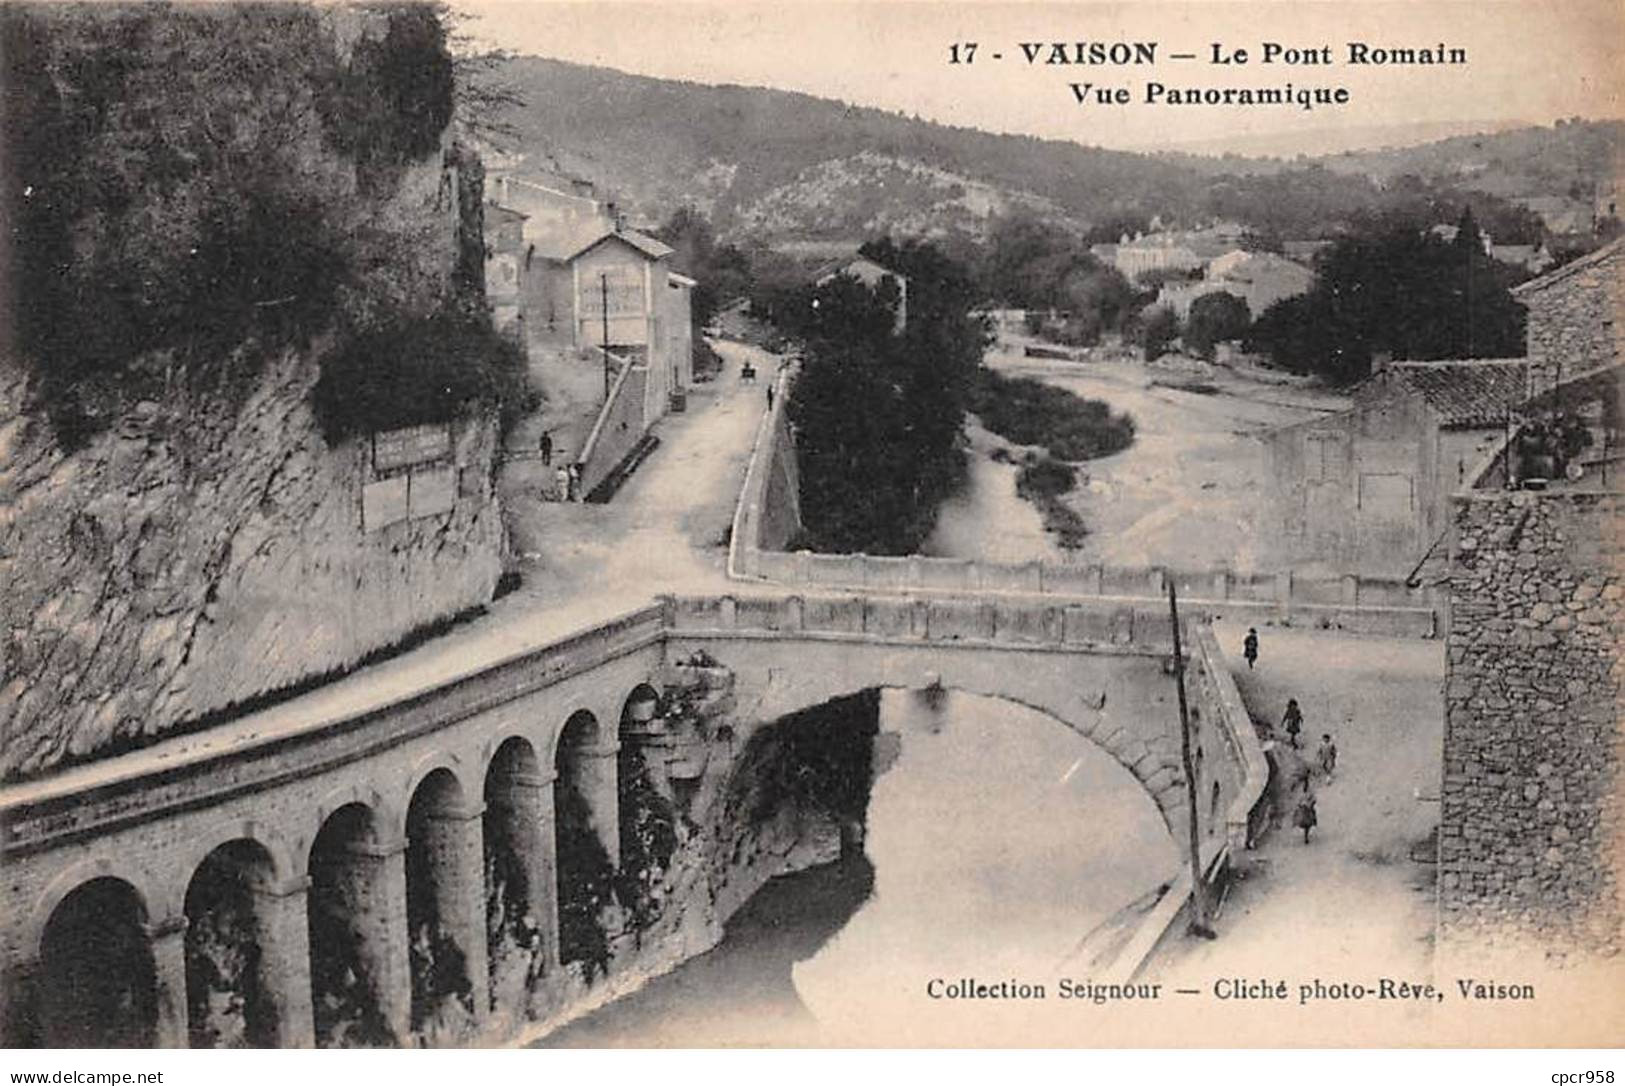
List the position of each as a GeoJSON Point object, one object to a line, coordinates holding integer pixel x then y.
{"type": "Point", "coordinates": [505, 267]}
{"type": "Point", "coordinates": [1259, 279]}
{"type": "Point", "coordinates": [1574, 311]}
{"type": "Point", "coordinates": [1368, 489]}
{"type": "Point", "coordinates": [1188, 251]}
{"type": "Point", "coordinates": [874, 276]}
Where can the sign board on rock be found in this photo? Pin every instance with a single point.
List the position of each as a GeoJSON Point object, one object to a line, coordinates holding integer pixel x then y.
{"type": "Point", "coordinates": [433, 492]}
{"type": "Point", "coordinates": [383, 503]}
{"type": "Point", "coordinates": [395, 449]}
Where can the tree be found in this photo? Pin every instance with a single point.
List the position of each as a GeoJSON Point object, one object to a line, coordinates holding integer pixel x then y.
{"type": "Point", "coordinates": [1158, 331]}
{"type": "Point", "coordinates": [1405, 292]}
{"type": "Point", "coordinates": [1215, 318]}
{"type": "Point", "coordinates": [879, 415]}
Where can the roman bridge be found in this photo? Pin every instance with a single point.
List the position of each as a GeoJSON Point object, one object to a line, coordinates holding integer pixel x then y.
{"type": "Point", "coordinates": [319, 875]}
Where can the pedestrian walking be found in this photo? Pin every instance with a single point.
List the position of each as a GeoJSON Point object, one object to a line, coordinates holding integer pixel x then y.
{"type": "Point", "coordinates": [1292, 722]}
{"type": "Point", "coordinates": [770, 396]}
{"type": "Point", "coordinates": [1327, 756]}
{"type": "Point", "coordinates": [1304, 817]}
{"type": "Point", "coordinates": [545, 446]}
{"type": "Point", "coordinates": [561, 482]}
{"type": "Point", "coordinates": [575, 483]}
{"type": "Point", "coordinates": [1249, 647]}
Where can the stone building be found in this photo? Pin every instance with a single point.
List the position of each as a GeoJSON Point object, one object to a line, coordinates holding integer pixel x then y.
{"type": "Point", "coordinates": [505, 267]}
{"type": "Point", "coordinates": [1530, 817]}
{"type": "Point", "coordinates": [1574, 314]}
{"type": "Point", "coordinates": [1530, 799]}
{"type": "Point", "coordinates": [1368, 489]}
{"type": "Point", "coordinates": [1259, 279]}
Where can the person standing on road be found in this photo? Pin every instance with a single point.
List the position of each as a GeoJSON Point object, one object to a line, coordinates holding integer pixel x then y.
{"type": "Point", "coordinates": [1327, 755]}
{"type": "Point", "coordinates": [1249, 647]}
{"type": "Point", "coordinates": [1304, 817]}
{"type": "Point", "coordinates": [561, 480]}
{"type": "Point", "coordinates": [545, 446]}
{"type": "Point", "coordinates": [1292, 722]}
{"type": "Point", "coordinates": [770, 396]}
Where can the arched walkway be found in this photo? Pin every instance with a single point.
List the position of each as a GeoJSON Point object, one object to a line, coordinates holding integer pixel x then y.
{"type": "Point", "coordinates": [584, 803]}
{"type": "Point", "coordinates": [97, 982]}
{"type": "Point", "coordinates": [229, 1000]}
{"type": "Point", "coordinates": [445, 909]}
{"type": "Point", "coordinates": [357, 932]}
{"type": "Point", "coordinates": [647, 814]}
{"type": "Point", "coordinates": [519, 890]}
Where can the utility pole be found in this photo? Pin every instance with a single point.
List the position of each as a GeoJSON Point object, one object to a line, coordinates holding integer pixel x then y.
{"type": "Point", "coordinates": [603, 344]}
{"type": "Point", "coordinates": [1199, 924]}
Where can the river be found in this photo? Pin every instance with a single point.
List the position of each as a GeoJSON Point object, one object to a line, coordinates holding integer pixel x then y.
{"type": "Point", "coordinates": [996, 839]}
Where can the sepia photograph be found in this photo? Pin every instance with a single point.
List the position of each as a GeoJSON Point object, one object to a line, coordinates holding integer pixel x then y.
{"type": "Point", "coordinates": [811, 524]}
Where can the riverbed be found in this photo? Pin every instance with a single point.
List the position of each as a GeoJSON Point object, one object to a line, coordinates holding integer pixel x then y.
{"type": "Point", "coordinates": [996, 839]}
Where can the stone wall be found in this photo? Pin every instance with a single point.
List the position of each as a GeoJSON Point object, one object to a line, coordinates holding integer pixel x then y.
{"type": "Point", "coordinates": [1530, 801]}
{"type": "Point", "coordinates": [621, 424]}
{"type": "Point", "coordinates": [1574, 312]}
{"type": "Point", "coordinates": [768, 515]}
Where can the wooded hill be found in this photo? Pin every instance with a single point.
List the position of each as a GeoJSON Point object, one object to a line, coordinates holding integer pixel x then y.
{"type": "Point", "coordinates": [786, 165]}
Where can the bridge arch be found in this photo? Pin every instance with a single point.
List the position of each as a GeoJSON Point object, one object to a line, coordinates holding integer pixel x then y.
{"type": "Point", "coordinates": [445, 902]}
{"type": "Point", "coordinates": [518, 868]}
{"type": "Point", "coordinates": [586, 837]}
{"type": "Point", "coordinates": [72, 879]}
{"type": "Point", "coordinates": [357, 920]}
{"type": "Point", "coordinates": [1122, 700]}
{"type": "Point", "coordinates": [231, 997]}
{"type": "Point", "coordinates": [285, 867]}
{"type": "Point", "coordinates": [97, 983]}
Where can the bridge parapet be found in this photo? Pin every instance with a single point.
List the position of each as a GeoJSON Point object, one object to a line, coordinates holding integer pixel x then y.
{"type": "Point", "coordinates": [1359, 604]}
{"type": "Point", "coordinates": [1139, 625]}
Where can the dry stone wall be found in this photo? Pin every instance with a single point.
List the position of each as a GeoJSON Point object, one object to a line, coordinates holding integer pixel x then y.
{"type": "Point", "coordinates": [1574, 312]}
{"type": "Point", "coordinates": [1531, 810]}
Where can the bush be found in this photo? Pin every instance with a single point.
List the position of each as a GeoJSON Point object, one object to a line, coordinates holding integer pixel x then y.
{"type": "Point", "coordinates": [182, 202]}
{"type": "Point", "coordinates": [420, 370]}
{"type": "Point", "coordinates": [1029, 412]}
{"type": "Point", "coordinates": [1045, 478]}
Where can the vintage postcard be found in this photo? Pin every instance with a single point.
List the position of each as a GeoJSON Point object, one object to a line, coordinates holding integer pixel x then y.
{"type": "Point", "coordinates": [811, 524]}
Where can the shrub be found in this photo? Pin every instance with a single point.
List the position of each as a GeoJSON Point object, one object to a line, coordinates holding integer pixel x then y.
{"type": "Point", "coordinates": [420, 370]}
{"type": "Point", "coordinates": [1029, 412]}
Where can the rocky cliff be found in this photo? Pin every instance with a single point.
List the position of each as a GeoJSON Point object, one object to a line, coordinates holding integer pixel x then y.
{"type": "Point", "coordinates": [181, 531]}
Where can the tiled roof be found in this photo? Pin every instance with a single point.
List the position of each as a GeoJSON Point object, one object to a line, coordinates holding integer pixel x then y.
{"type": "Point", "coordinates": [653, 248]}
{"type": "Point", "coordinates": [1474, 392]}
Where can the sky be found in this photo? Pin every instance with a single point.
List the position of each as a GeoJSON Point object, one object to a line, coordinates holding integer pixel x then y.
{"type": "Point", "coordinates": [1528, 62]}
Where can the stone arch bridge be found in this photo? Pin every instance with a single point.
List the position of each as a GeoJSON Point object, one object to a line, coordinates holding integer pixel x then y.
{"type": "Point", "coordinates": [358, 877]}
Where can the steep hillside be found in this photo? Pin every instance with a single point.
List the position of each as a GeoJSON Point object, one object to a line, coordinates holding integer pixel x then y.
{"type": "Point", "coordinates": [789, 165]}
{"type": "Point", "coordinates": [789, 162]}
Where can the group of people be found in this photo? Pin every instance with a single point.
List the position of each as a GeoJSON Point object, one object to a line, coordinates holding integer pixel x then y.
{"type": "Point", "coordinates": [1304, 815]}
{"type": "Point", "coordinates": [566, 477]}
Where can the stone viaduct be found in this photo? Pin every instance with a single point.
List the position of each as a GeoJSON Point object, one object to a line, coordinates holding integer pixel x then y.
{"type": "Point", "coordinates": [324, 860]}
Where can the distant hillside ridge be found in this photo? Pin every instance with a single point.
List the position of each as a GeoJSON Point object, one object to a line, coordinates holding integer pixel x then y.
{"type": "Point", "coordinates": [786, 165]}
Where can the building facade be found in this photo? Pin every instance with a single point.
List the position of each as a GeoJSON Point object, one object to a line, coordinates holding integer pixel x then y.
{"type": "Point", "coordinates": [1368, 489]}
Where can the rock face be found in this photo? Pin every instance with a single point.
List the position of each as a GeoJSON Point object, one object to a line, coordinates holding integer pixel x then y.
{"type": "Point", "coordinates": [186, 561]}
{"type": "Point", "coordinates": [1531, 806]}
{"type": "Point", "coordinates": [204, 544]}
